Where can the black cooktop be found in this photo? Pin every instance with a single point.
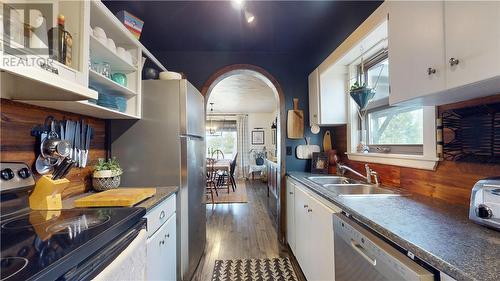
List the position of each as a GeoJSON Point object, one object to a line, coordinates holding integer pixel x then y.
{"type": "Point", "coordinates": [43, 245]}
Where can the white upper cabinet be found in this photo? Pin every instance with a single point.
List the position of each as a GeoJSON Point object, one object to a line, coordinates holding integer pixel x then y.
{"type": "Point", "coordinates": [29, 76]}
{"type": "Point", "coordinates": [25, 63]}
{"type": "Point", "coordinates": [472, 35]}
{"type": "Point", "coordinates": [314, 98]}
{"type": "Point", "coordinates": [327, 97]}
{"type": "Point", "coordinates": [443, 51]}
{"type": "Point", "coordinates": [416, 49]}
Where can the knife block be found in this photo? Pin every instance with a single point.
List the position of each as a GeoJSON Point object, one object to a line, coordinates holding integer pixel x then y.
{"type": "Point", "coordinates": [47, 193]}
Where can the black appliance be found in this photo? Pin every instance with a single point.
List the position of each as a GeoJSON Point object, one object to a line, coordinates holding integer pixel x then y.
{"type": "Point", "coordinates": [73, 244]}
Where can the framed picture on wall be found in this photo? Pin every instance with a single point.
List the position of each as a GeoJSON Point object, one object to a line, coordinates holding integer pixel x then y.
{"type": "Point", "coordinates": [319, 163]}
{"type": "Point", "coordinates": [257, 137]}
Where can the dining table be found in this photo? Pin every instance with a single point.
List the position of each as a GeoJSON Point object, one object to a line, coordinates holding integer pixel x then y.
{"type": "Point", "coordinates": [222, 165]}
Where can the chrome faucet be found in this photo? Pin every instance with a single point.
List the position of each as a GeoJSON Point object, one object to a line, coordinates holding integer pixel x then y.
{"type": "Point", "coordinates": [369, 173]}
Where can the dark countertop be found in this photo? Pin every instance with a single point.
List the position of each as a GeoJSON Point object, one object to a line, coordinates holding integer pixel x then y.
{"type": "Point", "coordinates": [435, 231]}
{"type": "Point", "coordinates": [162, 193]}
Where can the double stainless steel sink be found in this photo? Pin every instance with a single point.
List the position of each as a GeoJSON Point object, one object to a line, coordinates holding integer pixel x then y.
{"type": "Point", "coordinates": [347, 187]}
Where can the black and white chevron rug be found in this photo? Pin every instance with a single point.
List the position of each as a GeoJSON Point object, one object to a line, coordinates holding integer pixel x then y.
{"type": "Point", "coordinates": [275, 269]}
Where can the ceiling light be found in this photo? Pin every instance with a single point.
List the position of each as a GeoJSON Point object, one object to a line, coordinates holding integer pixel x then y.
{"type": "Point", "coordinates": [238, 4]}
{"type": "Point", "coordinates": [249, 17]}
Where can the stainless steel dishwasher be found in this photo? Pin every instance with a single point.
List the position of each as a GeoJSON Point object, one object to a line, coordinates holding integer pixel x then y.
{"type": "Point", "coordinates": [360, 255]}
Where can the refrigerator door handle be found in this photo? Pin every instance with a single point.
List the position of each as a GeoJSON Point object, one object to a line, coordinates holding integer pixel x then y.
{"type": "Point", "coordinates": [191, 136]}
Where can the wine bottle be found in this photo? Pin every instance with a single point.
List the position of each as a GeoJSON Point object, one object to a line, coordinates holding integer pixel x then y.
{"type": "Point", "coordinates": [60, 43]}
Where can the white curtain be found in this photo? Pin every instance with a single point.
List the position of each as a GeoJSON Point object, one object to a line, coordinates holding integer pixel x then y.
{"type": "Point", "coordinates": [243, 146]}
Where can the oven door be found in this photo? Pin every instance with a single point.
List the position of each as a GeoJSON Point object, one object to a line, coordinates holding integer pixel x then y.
{"type": "Point", "coordinates": [123, 259]}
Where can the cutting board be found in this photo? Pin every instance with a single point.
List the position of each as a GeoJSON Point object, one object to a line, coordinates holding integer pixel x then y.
{"type": "Point", "coordinates": [120, 197]}
{"type": "Point", "coordinates": [295, 121]}
{"type": "Point", "coordinates": [327, 141]}
{"type": "Point", "coordinates": [306, 151]}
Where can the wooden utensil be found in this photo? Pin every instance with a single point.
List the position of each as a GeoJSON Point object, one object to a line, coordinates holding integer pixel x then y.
{"type": "Point", "coordinates": [327, 141]}
{"type": "Point", "coordinates": [120, 197]}
{"type": "Point", "coordinates": [295, 121]}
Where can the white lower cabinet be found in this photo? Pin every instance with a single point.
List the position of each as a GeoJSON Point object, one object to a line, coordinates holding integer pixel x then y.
{"type": "Point", "coordinates": [161, 244]}
{"type": "Point", "coordinates": [312, 233]}
{"type": "Point", "coordinates": [161, 256]}
{"type": "Point", "coordinates": [302, 232]}
{"type": "Point", "coordinates": [290, 214]}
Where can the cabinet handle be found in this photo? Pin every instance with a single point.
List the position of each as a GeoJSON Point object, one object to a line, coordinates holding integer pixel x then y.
{"type": "Point", "coordinates": [290, 192]}
{"type": "Point", "coordinates": [162, 215]}
{"type": "Point", "coordinates": [431, 70]}
{"type": "Point", "coordinates": [454, 61]}
{"type": "Point", "coordinates": [168, 235]}
{"type": "Point", "coordinates": [161, 242]}
{"type": "Point", "coordinates": [309, 210]}
{"type": "Point", "coordinates": [306, 206]}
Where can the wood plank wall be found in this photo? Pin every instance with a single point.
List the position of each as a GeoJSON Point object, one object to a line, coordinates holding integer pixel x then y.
{"type": "Point", "coordinates": [452, 181]}
{"type": "Point", "coordinates": [17, 144]}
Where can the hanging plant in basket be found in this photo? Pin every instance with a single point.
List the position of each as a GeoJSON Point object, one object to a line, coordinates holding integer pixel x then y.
{"type": "Point", "coordinates": [106, 174]}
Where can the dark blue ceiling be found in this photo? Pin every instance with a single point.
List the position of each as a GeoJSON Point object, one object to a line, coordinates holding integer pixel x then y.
{"type": "Point", "coordinates": [301, 27]}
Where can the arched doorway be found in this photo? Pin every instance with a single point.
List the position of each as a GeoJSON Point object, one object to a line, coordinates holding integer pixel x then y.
{"type": "Point", "coordinates": [272, 83]}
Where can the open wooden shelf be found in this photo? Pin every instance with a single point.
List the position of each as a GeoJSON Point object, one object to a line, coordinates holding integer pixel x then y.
{"type": "Point", "coordinates": [108, 86]}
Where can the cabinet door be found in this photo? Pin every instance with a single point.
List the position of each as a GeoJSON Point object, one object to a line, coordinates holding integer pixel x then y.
{"type": "Point", "coordinates": [472, 30]}
{"type": "Point", "coordinates": [314, 98]}
{"type": "Point", "coordinates": [322, 256]}
{"type": "Point", "coordinates": [416, 43]}
{"type": "Point", "coordinates": [170, 249]}
{"type": "Point", "coordinates": [290, 214]}
{"type": "Point", "coordinates": [161, 253]}
{"type": "Point", "coordinates": [302, 231]}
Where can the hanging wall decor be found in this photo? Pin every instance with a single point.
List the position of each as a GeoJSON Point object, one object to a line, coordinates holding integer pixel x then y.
{"type": "Point", "coordinates": [472, 134]}
{"type": "Point", "coordinates": [257, 137]}
{"type": "Point", "coordinates": [319, 163]}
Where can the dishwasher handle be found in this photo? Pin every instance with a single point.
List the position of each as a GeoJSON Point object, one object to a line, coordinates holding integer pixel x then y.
{"type": "Point", "coordinates": [360, 250]}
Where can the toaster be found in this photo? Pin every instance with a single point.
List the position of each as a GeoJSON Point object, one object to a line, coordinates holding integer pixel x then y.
{"type": "Point", "coordinates": [485, 203]}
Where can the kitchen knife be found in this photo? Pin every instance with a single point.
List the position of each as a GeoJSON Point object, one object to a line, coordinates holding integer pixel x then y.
{"type": "Point", "coordinates": [61, 129]}
{"type": "Point", "coordinates": [67, 169]}
{"type": "Point", "coordinates": [59, 169]}
{"type": "Point", "coordinates": [81, 144]}
{"type": "Point", "coordinates": [66, 131]}
{"type": "Point", "coordinates": [70, 136]}
{"type": "Point", "coordinates": [77, 142]}
{"type": "Point", "coordinates": [87, 146]}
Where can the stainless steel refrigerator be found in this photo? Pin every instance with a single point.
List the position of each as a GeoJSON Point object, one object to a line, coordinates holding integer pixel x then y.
{"type": "Point", "coordinates": [166, 147]}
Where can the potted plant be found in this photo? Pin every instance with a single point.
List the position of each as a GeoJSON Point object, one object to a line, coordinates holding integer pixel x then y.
{"type": "Point", "coordinates": [106, 174]}
{"type": "Point", "coordinates": [259, 156]}
{"type": "Point", "coordinates": [361, 94]}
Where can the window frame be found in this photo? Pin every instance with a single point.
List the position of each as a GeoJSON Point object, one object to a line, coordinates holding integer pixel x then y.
{"type": "Point", "coordinates": [426, 160]}
{"type": "Point", "coordinates": [411, 149]}
{"type": "Point", "coordinates": [379, 105]}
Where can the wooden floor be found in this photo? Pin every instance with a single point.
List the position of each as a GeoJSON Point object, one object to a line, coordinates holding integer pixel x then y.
{"type": "Point", "coordinates": [241, 230]}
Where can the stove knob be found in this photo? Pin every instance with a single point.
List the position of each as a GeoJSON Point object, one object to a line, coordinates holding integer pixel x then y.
{"type": "Point", "coordinates": [24, 173]}
{"type": "Point", "coordinates": [484, 212]}
{"type": "Point", "coordinates": [7, 174]}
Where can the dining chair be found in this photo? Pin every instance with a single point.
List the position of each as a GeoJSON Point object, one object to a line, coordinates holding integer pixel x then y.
{"type": "Point", "coordinates": [210, 185]}
{"type": "Point", "coordinates": [217, 154]}
{"type": "Point", "coordinates": [228, 179]}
